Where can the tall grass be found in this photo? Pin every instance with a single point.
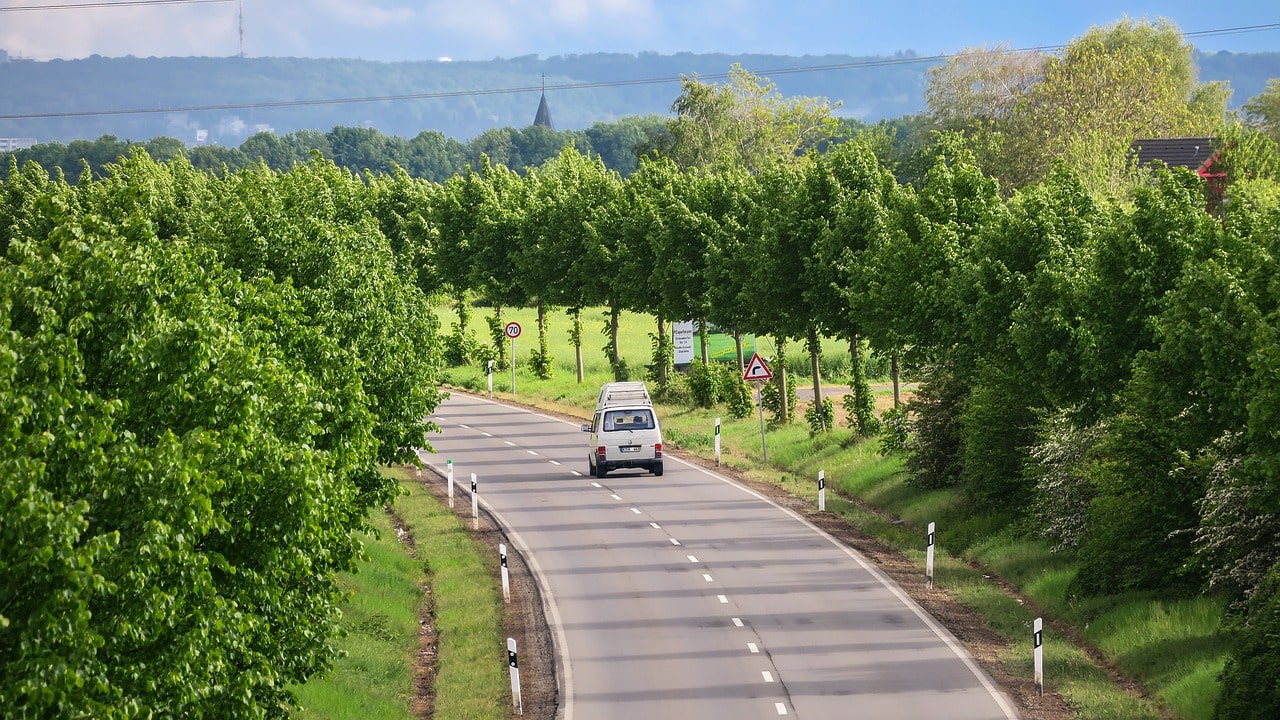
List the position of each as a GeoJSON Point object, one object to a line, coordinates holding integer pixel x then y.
{"type": "Point", "coordinates": [1172, 647]}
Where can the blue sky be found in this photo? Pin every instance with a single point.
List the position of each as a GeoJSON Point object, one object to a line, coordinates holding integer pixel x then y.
{"type": "Point", "coordinates": [392, 30]}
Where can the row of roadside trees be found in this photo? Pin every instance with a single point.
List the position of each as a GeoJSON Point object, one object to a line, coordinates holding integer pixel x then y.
{"type": "Point", "coordinates": [199, 381]}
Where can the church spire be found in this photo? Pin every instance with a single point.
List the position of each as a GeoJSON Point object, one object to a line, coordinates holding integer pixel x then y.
{"type": "Point", "coordinates": [543, 116]}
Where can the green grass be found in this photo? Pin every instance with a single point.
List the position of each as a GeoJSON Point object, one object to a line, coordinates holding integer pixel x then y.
{"type": "Point", "coordinates": [1173, 648]}
{"type": "Point", "coordinates": [374, 678]}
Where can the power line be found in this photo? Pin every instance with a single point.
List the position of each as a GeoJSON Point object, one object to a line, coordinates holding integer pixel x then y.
{"type": "Point", "coordinates": [108, 4]}
{"type": "Point", "coordinates": [858, 65]}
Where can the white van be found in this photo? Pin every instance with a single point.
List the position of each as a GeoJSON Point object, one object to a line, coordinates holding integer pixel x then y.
{"type": "Point", "coordinates": [624, 431]}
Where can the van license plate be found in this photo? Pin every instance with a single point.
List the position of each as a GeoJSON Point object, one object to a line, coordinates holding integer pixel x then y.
{"type": "Point", "coordinates": [629, 448]}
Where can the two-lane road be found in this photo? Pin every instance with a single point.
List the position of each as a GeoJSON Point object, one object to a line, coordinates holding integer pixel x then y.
{"type": "Point", "coordinates": [690, 596]}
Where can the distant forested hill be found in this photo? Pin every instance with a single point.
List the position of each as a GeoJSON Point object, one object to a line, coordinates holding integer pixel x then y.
{"type": "Point", "coordinates": [225, 100]}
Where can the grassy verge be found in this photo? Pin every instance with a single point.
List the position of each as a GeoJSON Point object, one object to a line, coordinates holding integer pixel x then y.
{"type": "Point", "coordinates": [1172, 647]}
{"type": "Point", "coordinates": [374, 679]}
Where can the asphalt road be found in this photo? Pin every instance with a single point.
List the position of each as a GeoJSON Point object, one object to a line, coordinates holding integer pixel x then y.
{"type": "Point", "coordinates": [690, 596]}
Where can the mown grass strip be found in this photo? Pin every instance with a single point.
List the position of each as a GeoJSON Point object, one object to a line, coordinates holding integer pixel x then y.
{"type": "Point", "coordinates": [374, 678]}
{"type": "Point", "coordinates": [471, 670]}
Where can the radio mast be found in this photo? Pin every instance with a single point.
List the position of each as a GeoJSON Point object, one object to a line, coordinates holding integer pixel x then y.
{"type": "Point", "coordinates": [241, 28]}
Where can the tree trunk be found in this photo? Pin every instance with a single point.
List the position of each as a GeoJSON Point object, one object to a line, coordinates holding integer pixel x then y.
{"type": "Point", "coordinates": [614, 358]}
{"type": "Point", "coordinates": [893, 372]}
{"type": "Point", "coordinates": [544, 352]}
{"type": "Point", "coordinates": [815, 354]}
{"type": "Point", "coordinates": [577, 342]}
{"type": "Point", "coordinates": [661, 357]}
{"type": "Point", "coordinates": [737, 344]}
{"type": "Point", "coordinates": [502, 346]}
{"type": "Point", "coordinates": [706, 342]}
{"type": "Point", "coordinates": [784, 407]}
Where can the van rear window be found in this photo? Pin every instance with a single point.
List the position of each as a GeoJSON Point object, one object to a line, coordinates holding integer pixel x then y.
{"type": "Point", "coordinates": [637, 419]}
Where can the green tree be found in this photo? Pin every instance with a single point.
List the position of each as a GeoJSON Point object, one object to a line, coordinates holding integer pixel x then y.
{"type": "Point", "coordinates": [744, 123]}
{"type": "Point", "coordinates": [1263, 110]}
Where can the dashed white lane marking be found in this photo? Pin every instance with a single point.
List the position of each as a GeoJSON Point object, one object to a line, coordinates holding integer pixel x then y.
{"type": "Point", "coordinates": [754, 648]}
{"type": "Point", "coordinates": [464, 426]}
{"type": "Point", "coordinates": [782, 709]}
{"type": "Point", "coordinates": [575, 472]}
{"type": "Point", "coordinates": [508, 442]}
{"type": "Point", "coordinates": [615, 497]}
{"type": "Point", "coordinates": [532, 452]}
{"type": "Point", "coordinates": [738, 622]}
{"type": "Point", "coordinates": [768, 676]}
{"type": "Point", "coordinates": [486, 434]}
{"type": "Point", "coordinates": [655, 526]}
{"type": "Point", "coordinates": [692, 558]}
{"type": "Point", "coordinates": [596, 484]}
{"type": "Point", "coordinates": [724, 599]}
{"type": "Point", "coordinates": [557, 462]}
{"type": "Point", "coordinates": [636, 511]}
{"type": "Point", "coordinates": [674, 541]}
{"type": "Point", "coordinates": [707, 577]}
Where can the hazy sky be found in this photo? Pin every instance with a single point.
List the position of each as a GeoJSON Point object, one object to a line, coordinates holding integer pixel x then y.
{"type": "Point", "coordinates": [484, 29]}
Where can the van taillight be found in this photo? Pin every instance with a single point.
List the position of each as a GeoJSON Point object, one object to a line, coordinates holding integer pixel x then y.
{"type": "Point", "coordinates": [657, 449]}
{"type": "Point", "coordinates": [600, 452]}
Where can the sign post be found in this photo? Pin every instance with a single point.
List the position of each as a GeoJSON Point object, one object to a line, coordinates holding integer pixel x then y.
{"type": "Point", "coordinates": [928, 562]}
{"type": "Point", "coordinates": [513, 663]}
{"type": "Point", "coordinates": [450, 464]}
{"type": "Point", "coordinates": [506, 576]}
{"type": "Point", "coordinates": [1038, 640]}
{"type": "Point", "coordinates": [758, 372]}
{"type": "Point", "coordinates": [717, 442]}
{"type": "Point", "coordinates": [513, 331]}
{"type": "Point", "coordinates": [475, 504]}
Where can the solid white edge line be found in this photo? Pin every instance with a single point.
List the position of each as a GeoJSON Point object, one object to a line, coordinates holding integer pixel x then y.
{"type": "Point", "coordinates": [938, 630]}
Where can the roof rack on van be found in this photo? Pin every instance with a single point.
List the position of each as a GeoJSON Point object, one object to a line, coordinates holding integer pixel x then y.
{"type": "Point", "coordinates": [623, 393]}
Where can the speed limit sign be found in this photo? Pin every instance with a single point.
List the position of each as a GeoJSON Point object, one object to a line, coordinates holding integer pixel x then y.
{"type": "Point", "coordinates": [513, 330]}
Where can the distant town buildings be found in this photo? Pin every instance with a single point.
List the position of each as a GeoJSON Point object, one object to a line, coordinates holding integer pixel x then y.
{"type": "Point", "coordinates": [15, 143]}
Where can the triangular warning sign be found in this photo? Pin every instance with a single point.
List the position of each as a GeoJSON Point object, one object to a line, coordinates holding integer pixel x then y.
{"type": "Point", "coordinates": [756, 369]}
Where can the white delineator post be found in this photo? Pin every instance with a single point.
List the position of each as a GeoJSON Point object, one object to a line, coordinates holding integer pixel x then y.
{"type": "Point", "coordinates": [506, 577]}
{"type": "Point", "coordinates": [475, 504]}
{"type": "Point", "coordinates": [822, 490]}
{"type": "Point", "coordinates": [717, 442]}
{"type": "Point", "coordinates": [1038, 639]}
{"type": "Point", "coordinates": [513, 662]}
{"type": "Point", "coordinates": [928, 561]}
{"type": "Point", "coordinates": [490, 364]}
{"type": "Point", "coordinates": [449, 464]}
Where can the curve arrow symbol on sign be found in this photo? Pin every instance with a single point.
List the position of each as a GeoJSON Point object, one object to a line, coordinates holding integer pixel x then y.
{"type": "Point", "coordinates": [756, 369]}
